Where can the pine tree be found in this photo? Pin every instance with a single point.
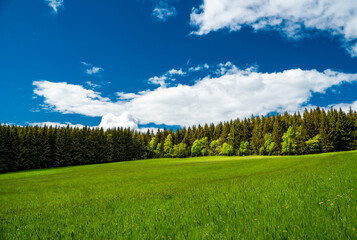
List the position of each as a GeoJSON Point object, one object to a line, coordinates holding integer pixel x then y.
{"type": "Point", "coordinates": [218, 131]}
{"type": "Point", "coordinates": [225, 131]}
{"type": "Point", "coordinates": [277, 134]}
{"type": "Point", "coordinates": [257, 139]}
{"type": "Point", "coordinates": [44, 148]}
{"type": "Point", "coordinates": [344, 132]}
{"type": "Point", "coordinates": [325, 133]}
{"type": "Point", "coordinates": [354, 135]}
{"type": "Point", "coordinates": [15, 150]}
{"type": "Point", "coordinates": [4, 166]}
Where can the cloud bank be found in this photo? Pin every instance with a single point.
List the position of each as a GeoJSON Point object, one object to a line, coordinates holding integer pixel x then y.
{"type": "Point", "coordinates": [293, 19]}
{"type": "Point", "coordinates": [234, 93]}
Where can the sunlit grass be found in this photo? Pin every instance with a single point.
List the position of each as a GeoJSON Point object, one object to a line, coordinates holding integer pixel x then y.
{"type": "Point", "coordinates": [294, 197]}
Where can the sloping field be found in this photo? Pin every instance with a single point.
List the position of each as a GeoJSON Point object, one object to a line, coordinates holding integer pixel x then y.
{"type": "Point", "coordinates": [310, 197]}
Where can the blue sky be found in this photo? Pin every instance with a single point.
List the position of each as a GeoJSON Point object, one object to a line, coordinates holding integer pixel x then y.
{"type": "Point", "coordinates": [146, 63]}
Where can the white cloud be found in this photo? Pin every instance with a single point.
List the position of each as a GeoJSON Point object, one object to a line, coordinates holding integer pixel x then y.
{"type": "Point", "coordinates": [292, 18]}
{"type": "Point", "coordinates": [91, 70]}
{"type": "Point", "coordinates": [194, 69]}
{"type": "Point", "coordinates": [199, 68]}
{"type": "Point", "coordinates": [352, 50]}
{"type": "Point", "coordinates": [158, 80]}
{"type": "Point", "coordinates": [55, 4]}
{"type": "Point", "coordinates": [163, 80]}
{"type": "Point", "coordinates": [163, 11]}
{"type": "Point", "coordinates": [94, 70]}
{"type": "Point", "coordinates": [92, 85]}
{"type": "Point", "coordinates": [108, 121]}
{"type": "Point", "coordinates": [176, 72]}
{"type": "Point", "coordinates": [69, 98]}
{"type": "Point", "coordinates": [125, 120]}
{"type": "Point", "coordinates": [235, 93]}
{"type": "Point", "coordinates": [344, 106]}
{"type": "Point", "coordinates": [228, 67]}
{"type": "Point", "coordinates": [144, 130]}
{"type": "Point", "coordinates": [86, 64]}
{"type": "Point", "coordinates": [56, 124]}
{"type": "Point", "coordinates": [126, 96]}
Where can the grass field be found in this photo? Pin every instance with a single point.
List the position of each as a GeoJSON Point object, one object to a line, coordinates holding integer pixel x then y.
{"type": "Point", "coordinates": [309, 197]}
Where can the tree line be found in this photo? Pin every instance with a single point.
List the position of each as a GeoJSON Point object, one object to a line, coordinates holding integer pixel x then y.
{"type": "Point", "coordinates": [313, 131]}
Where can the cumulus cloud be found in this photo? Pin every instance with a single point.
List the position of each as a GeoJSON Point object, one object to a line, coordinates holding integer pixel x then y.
{"type": "Point", "coordinates": [176, 72]}
{"type": "Point", "coordinates": [228, 68]}
{"type": "Point", "coordinates": [234, 93]}
{"type": "Point", "coordinates": [168, 76]}
{"type": "Point", "coordinates": [158, 80]}
{"type": "Point", "coordinates": [70, 98]}
{"type": "Point", "coordinates": [163, 11]}
{"type": "Point", "coordinates": [292, 18]}
{"type": "Point", "coordinates": [125, 120]}
{"type": "Point", "coordinates": [55, 4]}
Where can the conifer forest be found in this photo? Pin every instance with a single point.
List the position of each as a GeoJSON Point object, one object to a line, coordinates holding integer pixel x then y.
{"type": "Point", "coordinates": [313, 131]}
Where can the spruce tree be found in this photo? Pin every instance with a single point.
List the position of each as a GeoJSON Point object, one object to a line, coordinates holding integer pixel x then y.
{"type": "Point", "coordinates": [277, 134]}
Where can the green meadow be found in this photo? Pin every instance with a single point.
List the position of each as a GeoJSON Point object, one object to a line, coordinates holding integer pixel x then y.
{"type": "Point", "coordinates": [293, 197]}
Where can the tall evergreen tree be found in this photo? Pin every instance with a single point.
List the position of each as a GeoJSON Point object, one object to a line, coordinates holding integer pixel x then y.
{"type": "Point", "coordinates": [277, 133]}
